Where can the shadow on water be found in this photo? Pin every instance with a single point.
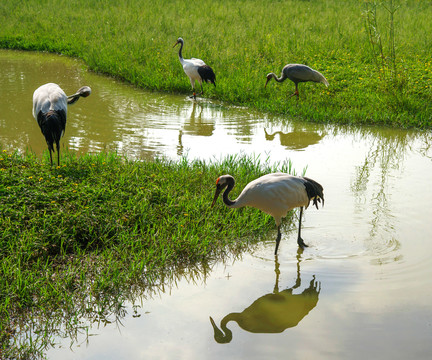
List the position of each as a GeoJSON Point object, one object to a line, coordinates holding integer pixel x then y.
{"type": "Point", "coordinates": [274, 312]}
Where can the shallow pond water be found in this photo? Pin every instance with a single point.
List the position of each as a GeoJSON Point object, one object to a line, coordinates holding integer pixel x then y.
{"type": "Point", "coordinates": [361, 290]}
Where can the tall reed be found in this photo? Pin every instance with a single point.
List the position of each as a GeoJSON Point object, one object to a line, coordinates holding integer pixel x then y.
{"type": "Point", "coordinates": [382, 41]}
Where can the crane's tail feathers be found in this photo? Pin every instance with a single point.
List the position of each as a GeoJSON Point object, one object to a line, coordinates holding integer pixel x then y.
{"type": "Point", "coordinates": [314, 191]}
{"type": "Point", "coordinates": [318, 77]}
{"type": "Point", "coordinates": [207, 74]}
{"type": "Point", "coordinates": [52, 125]}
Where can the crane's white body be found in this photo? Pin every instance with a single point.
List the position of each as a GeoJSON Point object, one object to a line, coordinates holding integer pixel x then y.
{"type": "Point", "coordinates": [275, 194]}
{"type": "Point", "coordinates": [190, 67]}
{"type": "Point", "coordinates": [49, 97]}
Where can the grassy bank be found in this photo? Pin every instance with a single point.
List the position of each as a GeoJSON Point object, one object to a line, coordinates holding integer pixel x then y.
{"type": "Point", "coordinates": [77, 240]}
{"type": "Point", "coordinates": [243, 41]}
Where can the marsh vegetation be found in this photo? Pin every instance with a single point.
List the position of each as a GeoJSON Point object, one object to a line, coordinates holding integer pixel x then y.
{"type": "Point", "coordinates": [78, 239]}
{"type": "Point", "coordinates": [355, 44]}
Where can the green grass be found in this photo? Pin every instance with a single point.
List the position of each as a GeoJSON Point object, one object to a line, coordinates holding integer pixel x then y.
{"type": "Point", "coordinates": [243, 41]}
{"type": "Point", "coordinates": [79, 239]}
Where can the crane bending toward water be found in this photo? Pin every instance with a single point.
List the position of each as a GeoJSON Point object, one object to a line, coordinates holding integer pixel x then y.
{"type": "Point", "coordinates": [196, 70]}
{"type": "Point", "coordinates": [50, 111]}
{"type": "Point", "coordinates": [275, 194]}
{"type": "Point", "coordinates": [298, 73]}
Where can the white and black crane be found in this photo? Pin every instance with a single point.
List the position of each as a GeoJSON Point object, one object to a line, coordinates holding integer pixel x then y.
{"type": "Point", "coordinates": [50, 111]}
{"type": "Point", "coordinates": [298, 73]}
{"type": "Point", "coordinates": [275, 194]}
{"type": "Point", "coordinates": [196, 70]}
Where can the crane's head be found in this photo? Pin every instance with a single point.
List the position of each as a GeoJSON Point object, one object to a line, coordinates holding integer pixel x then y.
{"type": "Point", "coordinates": [179, 41]}
{"type": "Point", "coordinates": [269, 77]}
{"type": "Point", "coordinates": [84, 91]}
{"type": "Point", "coordinates": [221, 183]}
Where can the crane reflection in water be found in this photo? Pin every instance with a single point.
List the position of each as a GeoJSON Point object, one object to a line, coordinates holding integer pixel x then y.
{"type": "Point", "coordinates": [297, 139]}
{"type": "Point", "coordinates": [274, 312]}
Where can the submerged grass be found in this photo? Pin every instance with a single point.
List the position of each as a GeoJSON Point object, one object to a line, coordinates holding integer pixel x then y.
{"type": "Point", "coordinates": [243, 41]}
{"type": "Point", "coordinates": [98, 225]}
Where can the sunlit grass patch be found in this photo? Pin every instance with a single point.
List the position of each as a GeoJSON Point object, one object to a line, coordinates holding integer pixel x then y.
{"type": "Point", "coordinates": [242, 42]}
{"type": "Point", "coordinates": [100, 224]}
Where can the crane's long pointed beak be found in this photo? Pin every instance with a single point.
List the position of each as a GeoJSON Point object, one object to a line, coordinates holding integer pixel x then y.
{"type": "Point", "coordinates": [175, 43]}
{"type": "Point", "coordinates": [266, 82]}
{"type": "Point", "coordinates": [215, 196]}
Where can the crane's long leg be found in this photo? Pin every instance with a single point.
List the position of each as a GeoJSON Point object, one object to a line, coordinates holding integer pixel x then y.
{"type": "Point", "coordinates": [202, 89]}
{"type": "Point", "coordinates": [193, 95]}
{"type": "Point", "coordinates": [300, 241]}
{"type": "Point", "coordinates": [296, 93]}
{"type": "Point", "coordinates": [193, 88]}
{"type": "Point", "coordinates": [58, 154]}
{"type": "Point", "coordinates": [50, 156]}
{"type": "Point", "coordinates": [278, 239]}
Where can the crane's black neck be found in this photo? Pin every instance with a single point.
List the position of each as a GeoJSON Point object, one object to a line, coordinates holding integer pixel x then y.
{"type": "Point", "coordinates": [180, 51]}
{"type": "Point", "coordinates": [73, 99]}
{"type": "Point", "coordinates": [230, 186]}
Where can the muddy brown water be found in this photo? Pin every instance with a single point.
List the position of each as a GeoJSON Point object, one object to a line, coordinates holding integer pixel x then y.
{"type": "Point", "coordinates": [361, 290]}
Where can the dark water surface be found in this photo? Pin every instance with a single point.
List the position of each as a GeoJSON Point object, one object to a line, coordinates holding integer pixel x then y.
{"type": "Point", "coordinates": [361, 290]}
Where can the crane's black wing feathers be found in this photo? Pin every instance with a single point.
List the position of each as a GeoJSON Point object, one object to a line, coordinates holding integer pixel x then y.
{"type": "Point", "coordinates": [52, 125]}
{"type": "Point", "coordinates": [207, 74]}
{"type": "Point", "coordinates": [314, 191]}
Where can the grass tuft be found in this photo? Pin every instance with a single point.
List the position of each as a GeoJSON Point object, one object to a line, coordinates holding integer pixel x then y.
{"type": "Point", "coordinates": [84, 234]}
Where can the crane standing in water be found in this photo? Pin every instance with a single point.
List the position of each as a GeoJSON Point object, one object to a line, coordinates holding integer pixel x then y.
{"type": "Point", "coordinates": [196, 70]}
{"type": "Point", "coordinates": [275, 194]}
{"type": "Point", "coordinates": [298, 73]}
{"type": "Point", "coordinates": [50, 111]}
